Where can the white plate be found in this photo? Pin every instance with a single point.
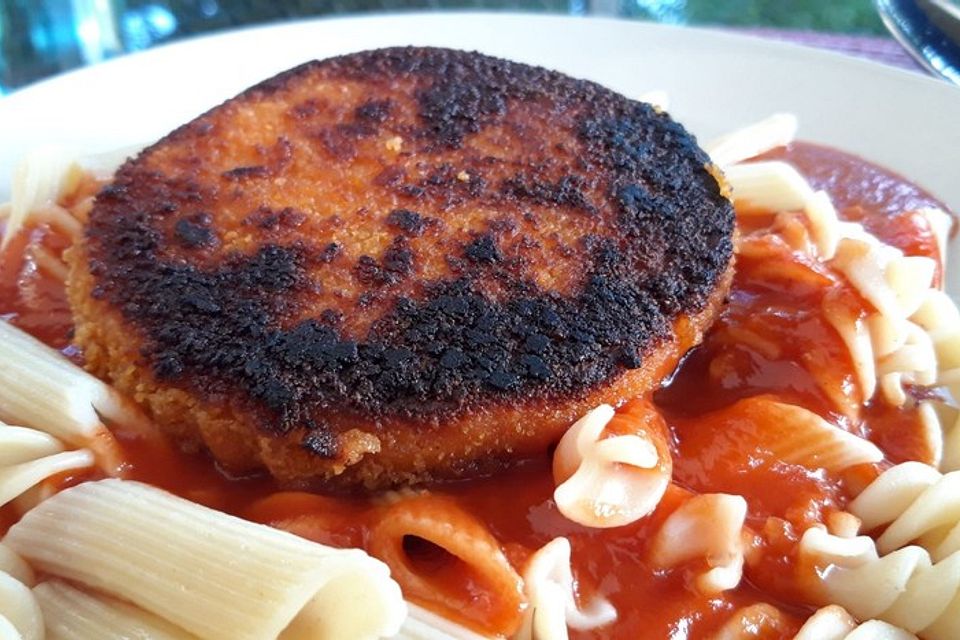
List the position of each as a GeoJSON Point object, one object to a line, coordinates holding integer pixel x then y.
{"type": "Point", "coordinates": [716, 82]}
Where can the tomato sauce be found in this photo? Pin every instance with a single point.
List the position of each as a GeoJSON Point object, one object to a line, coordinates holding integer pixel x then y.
{"type": "Point", "coordinates": [772, 339]}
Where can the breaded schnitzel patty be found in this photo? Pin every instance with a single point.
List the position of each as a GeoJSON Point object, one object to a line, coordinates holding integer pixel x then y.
{"type": "Point", "coordinates": [401, 264]}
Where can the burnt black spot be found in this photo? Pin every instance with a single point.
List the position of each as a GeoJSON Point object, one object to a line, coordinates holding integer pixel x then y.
{"type": "Point", "coordinates": [406, 220]}
{"type": "Point", "coordinates": [240, 173]}
{"type": "Point", "coordinates": [330, 252]}
{"type": "Point", "coordinates": [195, 232]}
{"type": "Point", "coordinates": [271, 219]}
{"type": "Point", "coordinates": [451, 110]}
{"type": "Point", "coordinates": [483, 250]}
{"type": "Point", "coordinates": [374, 111]}
{"type": "Point", "coordinates": [395, 265]}
{"type": "Point", "coordinates": [565, 192]}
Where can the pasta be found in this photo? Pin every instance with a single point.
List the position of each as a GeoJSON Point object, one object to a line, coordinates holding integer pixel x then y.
{"type": "Point", "coordinates": [72, 614]}
{"type": "Point", "coordinates": [789, 433]}
{"type": "Point", "coordinates": [776, 131]}
{"type": "Point", "coordinates": [40, 388]}
{"type": "Point", "coordinates": [834, 623]}
{"type": "Point", "coordinates": [710, 527]}
{"type": "Point", "coordinates": [916, 503]}
{"type": "Point", "coordinates": [39, 180]}
{"type": "Point", "coordinates": [440, 522]}
{"type": "Point", "coordinates": [610, 469]}
{"type": "Point", "coordinates": [903, 588]}
{"type": "Point", "coordinates": [550, 588]}
{"type": "Point", "coordinates": [913, 337]}
{"type": "Point", "coordinates": [179, 561]}
{"type": "Point", "coordinates": [27, 457]}
{"type": "Point", "coordinates": [422, 624]}
{"type": "Point", "coordinates": [20, 615]}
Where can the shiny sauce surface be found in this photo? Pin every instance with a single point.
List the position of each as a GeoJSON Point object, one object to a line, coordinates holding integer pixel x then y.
{"type": "Point", "coordinates": [771, 340]}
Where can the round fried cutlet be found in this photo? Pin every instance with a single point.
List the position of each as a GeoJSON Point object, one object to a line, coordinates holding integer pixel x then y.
{"type": "Point", "coordinates": [401, 264]}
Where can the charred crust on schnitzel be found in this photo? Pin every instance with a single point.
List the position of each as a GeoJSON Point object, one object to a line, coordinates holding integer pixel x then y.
{"type": "Point", "coordinates": [243, 321]}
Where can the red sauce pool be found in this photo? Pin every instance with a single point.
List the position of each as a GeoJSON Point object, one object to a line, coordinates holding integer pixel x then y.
{"type": "Point", "coordinates": [771, 339]}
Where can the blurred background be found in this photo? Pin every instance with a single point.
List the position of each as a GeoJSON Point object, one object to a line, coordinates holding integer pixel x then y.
{"type": "Point", "coordinates": [39, 38]}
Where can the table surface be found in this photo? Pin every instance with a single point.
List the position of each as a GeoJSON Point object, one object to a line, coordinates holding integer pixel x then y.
{"type": "Point", "coordinates": [39, 38]}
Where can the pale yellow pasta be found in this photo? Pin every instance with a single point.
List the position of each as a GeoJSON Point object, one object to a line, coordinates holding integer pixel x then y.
{"type": "Point", "coordinates": [27, 457]}
{"type": "Point", "coordinates": [893, 283]}
{"type": "Point", "coordinates": [834, 623]}
{"type": "Point", "coordinates": [214, 575]}
{"type": "Point", "coordinates": [13, 565]}
{"type": "Point", "coordinates": [855, 334]}
{"type": "Point", "coordinates": [614, 480]}
{"type": "Point", "coordinates": [70, 613]}
{"type": "Point", "coordinates": [708, 526]}
{"type": "Point", "coordinates": [41, 389]}
{"type": "Point", "coordinates": [426, 625]}
{"type": "Point", "coordinates": [19, 608]}
{"type": "Point", "coordinates": [940, 223]}
{"type": "Point", "coordinates": [441, 521]}
{"type": "Point", "coordinates": [823, 221]}
{"type": "Point", "coordinates": [549, 586]}
{"type": "Point", "coordinates": [41, 177]}
{"type": "Point", "coordinates": [904, 588]}
{"type": "Point", "coordinates": [775, 131]}
{"type": "Point", "coordinates": [16, 479]}
{"type": "Point", "coordinates": [799, 436]}
{"type": "Point", "coordinates": [20, 615]}
{"type": "Point", "coordinates": [769, 186]}
{"type": "Point", "coordinates": [916, 503]}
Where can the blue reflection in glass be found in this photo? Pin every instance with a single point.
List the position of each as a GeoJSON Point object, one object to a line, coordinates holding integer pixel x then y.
{"type": "Point", "coordinates": [665, 11]}
{"type": "Point", "coordinates": [145, 25]}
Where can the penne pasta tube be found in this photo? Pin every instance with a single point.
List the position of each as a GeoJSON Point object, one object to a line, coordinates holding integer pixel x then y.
{"type": "Point", "coordinates": [422, 624]}
{"type": "Point", "coordinates": [12, 564]}
{"type": "Point", "coordinates": [775, 131]}
{"type": "Point", "coordinates": [41, 389]}
{"type": "Point", "coordinates": [214, 575]}
{"type": "Point", "coordinates": [20, 609]}
{"type": "Point", "coordinates": [469, 547]}
{"type": "Point", "coordinates": [72, 614]}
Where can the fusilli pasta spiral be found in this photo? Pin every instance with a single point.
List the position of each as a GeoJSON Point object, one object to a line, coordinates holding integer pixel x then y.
{"type": "Point", "coordinates": [916, 503]}
{"type": "Point", "coordinates": [913, 336]}
{"type": "Point", "coordinates": [612, 468]}
{"type": "Point", "coordinates": [549, 585]}
{"type": "Point", "coordinates": [707, 526]}
{"type": "Point", "coordinates": [834, 623]}
{"type": "Point", "coordinates": [904, 588]}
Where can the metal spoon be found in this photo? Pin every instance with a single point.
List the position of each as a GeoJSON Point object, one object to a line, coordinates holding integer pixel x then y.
{"type": "Point", "coordinates": [929, 30]}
